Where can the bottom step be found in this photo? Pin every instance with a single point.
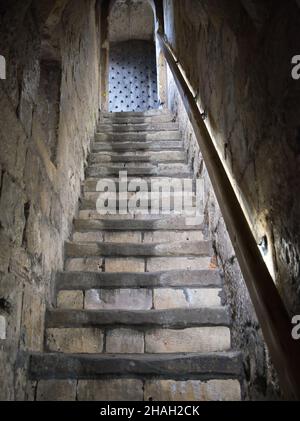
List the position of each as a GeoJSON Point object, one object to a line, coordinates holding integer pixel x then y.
{"type": "Point", "coordinates": [137, 390]}
{"type": "Point", "coordinates": [193, 377]}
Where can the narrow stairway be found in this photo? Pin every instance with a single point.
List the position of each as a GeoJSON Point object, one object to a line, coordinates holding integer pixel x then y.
{"type": "Point", "coordinates": [139, 314]}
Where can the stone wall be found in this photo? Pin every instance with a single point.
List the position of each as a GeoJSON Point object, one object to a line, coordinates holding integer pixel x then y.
{"type": "Point", "coordinates": [260, 381]}
{"type": "Point", "coordinates": [131, 20]}
{"type": "Point", "coordinates": [49, 107]}
{"type": "Point", "coordinates": [237, 56]}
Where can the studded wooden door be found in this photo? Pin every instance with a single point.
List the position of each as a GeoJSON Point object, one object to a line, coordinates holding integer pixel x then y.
{"type": "Point", "coordinates": [132, 77]}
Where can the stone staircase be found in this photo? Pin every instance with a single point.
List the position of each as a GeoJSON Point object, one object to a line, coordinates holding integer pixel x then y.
{"type": "Point", "coordinates": [139, 314]}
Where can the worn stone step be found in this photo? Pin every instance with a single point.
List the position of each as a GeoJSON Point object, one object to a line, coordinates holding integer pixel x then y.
{"type": "Point", "coordinates": [172, 319]}
{"type": "Point", "coordinates": [194, 248]}
{"type": "Point", "coordinates": [168, 184]}
{"type": "Point", "coordinates": [128, 340]}
{"type": "Point", "coordinates": [128, 114]}
{"type": "Point", "coordinates": [144, 214]}
{"type": "Point", "coordinates": [160, 170]}
{"type": "Point", "coordinates": [136, 264]}
{"type": "Point", "coordinates": [217, 365]}
{"type": "Point", "coordinates": [161, 223]}
{"type": "Point", "coordinates": [153, 157]}
{"type": "Point", "coordinates": [84, 281]}
{"type": "Point", "coordinates": [138, 236]}
{"type": "Point", "coordinates": [219, 388]}
{"type": "Point", "coordinates": [138, 298]}
{"type": "Point", "coordinates": [133, 119]}
{"type": "Point", "coordinates": [167, 135]}
{"type": "Point", "coordinates": [122, 166]}
{"type": "Point", "coordinates": [114, 127]}
{"type": "Point", "coordinates": [136, 118]}
{"type": "Point", "coordinates": [215, 389]}
{"type": "Point", "coordinates": [131, 145]}
{"type": "Point", "coordinates": [91, 340]}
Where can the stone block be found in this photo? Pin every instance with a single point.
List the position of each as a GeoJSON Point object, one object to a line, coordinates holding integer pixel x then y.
{"type": "Point", "coordinates": [84, 265]}
{"type": "Point", "coordinates": [72, 300]}
{"type": "Point", "coordinates": [94, 236]}
{"type": "Point", "coordinates": [56, 390]}
{"type": "Point", "coordinates": [184, 298]}
{"type": "Point", "coordinates": [169, 236]}
{"type": "Point", "coordinates": [157, 264]}
{"type": "Point", "coordinates": [123, 237]}
{"type": "Point", "coordinates": [5, 252]}
{"type": "Point", "coordinates": [13, 139]}
{"type": "Point", "coordinates": [12, 209]}
{"type": "Point", "coordinates": [110, 390]}
{"type": "Point", "coordinates": [201, 339]}
{"type": "Point", "coordinates": [33, 232]}
{"type": "Point", "coordinates": [20, 263]}
{"type": "Point", "coordinates": [74, 340]}
{"type": "Point", "coordinates": [33, 312]}
{"type": "Point", "coordinates": [30, 390]}
{"type": "Point", "coordinates": [124, 341]}
{"type": "Point", "coordinates": [192, 390]}
{"type": "Point", "coordinates": [122, 299]}
{"type": "Point", "coordinates": [124, 265]}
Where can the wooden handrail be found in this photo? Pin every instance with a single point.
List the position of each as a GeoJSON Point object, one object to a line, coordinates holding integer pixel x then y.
{"type": "Point", "coordinates": [270, 310]}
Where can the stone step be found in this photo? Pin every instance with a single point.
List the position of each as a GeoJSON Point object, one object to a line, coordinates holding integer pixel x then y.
{"type": "Point", "coordinates": [155, 201]}
{"type": "Point", "coordinates": [143, 214]}
{"type": "Point", "coordinates": [160, 170]}
{"type": "Point", "coordinates": [84, 281]}
{"type": "Point", "coordinates": [124, 340]}
{"type": "Point", "coordinates": [143, 319]}
{"type": "Point", "coordinates": [131, 145]}
{"type": "Point", "coordinates": [161, 223]}
{"type": "Point", "coordinates": [139, 157]}
{"type": "Point", "coordinates": [129, 388]}
{"type": "Point", "coordinates": [218, 365]}
{"type": "Point", "coordinates": [138, 299]}
{"type": "Point", "coordinates": [185, 248]}
{"type": "Point", "coordinates": [136, 119]}
{"type": "Point", "coordinates": [146, 237]}
{"type": "Point", "coordinates": [139, 114]}
{"type": "Point", "coordinates": [162, 118]}
{"type": "Point", "coordinates": [132, 389]}
{"type": "Point", "coordinates": [127, 338]}
{"type": "Point", "coordinates": [113, 127]}
{"type": "Point", "coordinates": [166, 135]}
{"type": "Point", "coordinates": [136, 264]}
{"type": "Point", "coordinates": [122, 166]}
{"type": "Point", "coordinates": [167, 183]}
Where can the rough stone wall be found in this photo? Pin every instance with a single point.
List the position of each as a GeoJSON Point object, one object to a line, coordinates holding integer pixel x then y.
{"type": "Point", "coordinates": [237, 56]}
{"type": "Point", "coordinates": [44, 140]}
{"type": "Point", "coordinates": [131, 20]}
{"type": "Point", "coordinates": [260, 381]}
